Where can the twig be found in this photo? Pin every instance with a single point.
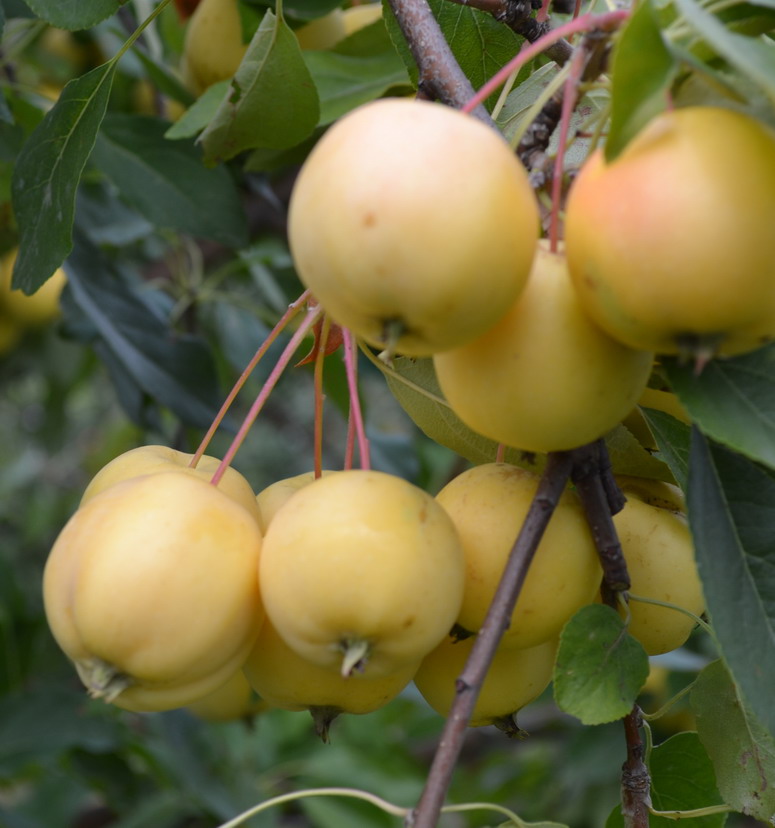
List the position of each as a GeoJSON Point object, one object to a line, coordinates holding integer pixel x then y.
{"type": "Point", "coordinates": [549, 490]}
{"type": "Point", "coordinates": [636, 783]}
{"type": "Point", "coordinates": [440, 73]}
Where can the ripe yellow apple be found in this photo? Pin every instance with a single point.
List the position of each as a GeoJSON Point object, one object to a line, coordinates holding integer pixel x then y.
{"type": "Point", "coordinates": [286, 680]}
{"type": "Point", "coordinates": [358, 17]}
{"type": "Point", "coordinates": [670, 245]}
{"type": "Point", "coordinates": [151, 590]}
{"type": "Point", "coordinates": [515, 678]}
{"type": "Point", "coordinates": [396, 224]}
{"type": "Point", "coordinates": [659, 552]}
{"type": "Point", "coordinates": [543, 378]}
{"type": "Point", "coordinates": [153, 459]}
{"type": "Point", "coordinates": [38, 308]}
{"type": "Point", "coordinates": [361, 570]}
{"type": "Point", "coordinates": [488, 505]}
{"type": "Point", "coordinates": [274, 496]}
{"type": "Point", "coordinates": [213, 47]}
{"type": "Point", "coordinates": [665, 401]}
{"type": "Point", "coordinates": [323, 32]}
{"type": "Point", "coordinates": [230, 701]}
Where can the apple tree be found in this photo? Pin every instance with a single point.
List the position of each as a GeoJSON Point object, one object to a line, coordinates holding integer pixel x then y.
{"type": "Point", "coordinates": [451, 320]}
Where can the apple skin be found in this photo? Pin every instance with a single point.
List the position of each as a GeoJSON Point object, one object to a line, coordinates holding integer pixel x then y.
{"type": "Point", "coordinates": [277, 494]}
{"type": "Point", "coordinates": [544, 377]}
{"type": "Point", "coordinates": [213, 46]}
{"type": "Point", "coordinates": [151, 590]}
{"type": "Point", "coordinates": [515, 678]}
{"type": "Point", "coordinates": [488, 505]}
{"type": "Point", "coordinates": [396, 221]}
{"type": "Point", "coordinates": [670, 246]}
{"type": "Point", "coordinates": [33, 310]}
{"type": "Point", "coordinates": [659, 552]}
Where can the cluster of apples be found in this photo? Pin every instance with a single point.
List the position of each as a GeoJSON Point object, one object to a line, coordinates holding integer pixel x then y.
{"type": "Point", "coordinates": [332, 594]}
{"type": "Point", "coordinates": [414, 225]}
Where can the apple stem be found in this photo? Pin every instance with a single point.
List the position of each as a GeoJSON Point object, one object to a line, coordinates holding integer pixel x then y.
{"type": "Point", "coordinates": [570, 95]}
{"type": "Point", "coordinates": [607, 21]}
{"type": "Point", "coordinates": [356, 415]}
{"type": "Point", "coordinates": [313, 314]}
{"type": "Point", "coordinates": [320, 357]}
{"type": "Point", "coordinates": [293, 310]}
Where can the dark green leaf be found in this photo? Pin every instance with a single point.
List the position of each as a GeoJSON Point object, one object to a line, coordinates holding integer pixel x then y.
{"type": "Point", "coordinates": [641, 74]}
{"type": "Point", "coordinates": [74, 14]}
{"type": "Point", "coordinates": [176, 370]}
{"type": "Point", "coordinates": [47, 174]}
{"type": "Point", "coordinates": [742, 752]}
{"type": "Point", "coordinates": [480, 43]}
{"type": "Point", "coordinates": [754, 57]}
{"type": "Point", "coordinates": [732, 401]}
{"type": "Point", "coordinates": [344, 81]}
{"type": "Point", "coordinates": [600, 667]}
{"type": "Point", "coordinates": [253, 114]}
{"type": "Point", "coordinates": [672, 437]}
{"type": "Point", "coordinates": [166, 182]}
{"type": "Point", "coordinates": [731, 508]}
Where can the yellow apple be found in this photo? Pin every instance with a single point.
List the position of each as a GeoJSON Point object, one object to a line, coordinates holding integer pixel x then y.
{"type": "Point", "coordinates": [232, 700]}
{"type": "Point", "coordinates": [153, 459]}
{"type": "Point", "coordinates": [213, 47]}
{"type": "Point", "coordinates": [396, 224]}
{"type": "Point", "coordinates": [488, 504]}
{"type": "Point", "coordinates": [665, 401]}
{"type": "Point", "coordinates": [543, 378]}
{"type": "Point", "coordinates": [274, 496]}
{"type": "Point", "coordinates": [151, 590]}
{"type": "Point", "coordinates": [323, 32]}
{"type": "Point", "coordinates": [659, 552]}
{"type": "Point", "coordinates": [670, 245]}
{"type": "Point", "coordinates": [361, 570]}
{"type": "Point", "coordinates": [358, 17]}
{"type": "Point", "coordinates": [35, 309]}
{"type": "Point", "coordinates": [515, 678]}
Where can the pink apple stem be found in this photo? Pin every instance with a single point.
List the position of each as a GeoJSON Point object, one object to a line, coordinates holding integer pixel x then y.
{"type": "Point", "coordinates": [568, 104]}
{"type": "Point", "coordinates": [320, 357]}
{"type": "Point", "coordinates": [313, 314]}
{"type": "Point", "coordinates": [500, 453]}
{"type": "Point", "coordinates": [293, 309]}
{"type": "Point", "coordinates": [349, 449]}
{"type": "Point", "coordinates": [609, 20]}
{"type": "Point", "coordinates": [351, 368]}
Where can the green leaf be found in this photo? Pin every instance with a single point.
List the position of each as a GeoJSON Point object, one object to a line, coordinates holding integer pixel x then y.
{"type": "Point", "coordinates": [414, 385]}
{"type": "Point", "coordinates": [732, 400]}
{"type": "Point", "coordinates": [480, 43]}
{"type": "Point", "coordinates": [731, 509]}
{"type": "Point", "coordinates": [600, 667]}
{"type": "Point", "coordinates": [172, 368]}
{"type": "Point", "coordinates": [742, 752]}
{"type": "Point", "coordinates": [520, 99]}
{"type": "Point", "coordinates": [672, 437]}
{"type": "Point", "coordinates": [642, 71]}
{"type": "Point", "coordinates": [164, 79]}
{"type": "Point", "coordinates": [200, 113]}
{"type": "Point", "coordinates": [74, 14]}
{"type": "Point", "coordinates": [48, 172]}
{"type": "Point", "coordinates": [166, 181]}
{"type": "Point", "coordinates": [346, 81]}
{"type": "Point", "coordinates": [754, 57]}
{"type": "Point", "coordinates": [253, 114]}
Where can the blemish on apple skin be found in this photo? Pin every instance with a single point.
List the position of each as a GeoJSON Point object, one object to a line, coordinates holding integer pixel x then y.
{"type": "Point", "coordinates": [369, 220]}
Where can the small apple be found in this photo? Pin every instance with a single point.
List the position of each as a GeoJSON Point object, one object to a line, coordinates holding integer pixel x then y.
{"type": "Point", "coordinates": [33, 310]}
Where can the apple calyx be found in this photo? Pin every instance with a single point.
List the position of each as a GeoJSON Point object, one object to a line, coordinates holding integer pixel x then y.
{"type": "Point", "coordinates": [102, 680]}
{"type": "Point", "coordinates": [356, 655]}
{"type": "Point", "coordinates": [322, 716]}
{"type": "Point", "coordinates": [508, 725]}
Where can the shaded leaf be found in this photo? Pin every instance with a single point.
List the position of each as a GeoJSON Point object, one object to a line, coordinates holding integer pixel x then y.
{"type": "Point", "coordinates": [754, 57]}
{"type": "Point", "coordinates": [176, 370]}
{"type": "Point", "coordinates": [731, 509]}
{"type": "Point", "coordinates": [672, 437]}
{"type": "Point", "coordinates": [48, 172]}
{"type": "Point", "coordinates": [200, 113]}
{"type": "Point", "coordinates": [600, 667]}
{"type": "Point", "coordinates": [641, 74]}
{"type": "Point", "coordinates": [74, 14]}
{"type": "Point", "coordinates": [732, 400]}
{"type": "Point", "coordinates": [166, 181]}
{"type": "Point", "coordinates": [520, 99]}
{"type": "Point", "coordinates": [253, 114]}
{"type": "Point", "coordinates": [742, 752]}
{"type": "Point", "coordinates": [346, 81]}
